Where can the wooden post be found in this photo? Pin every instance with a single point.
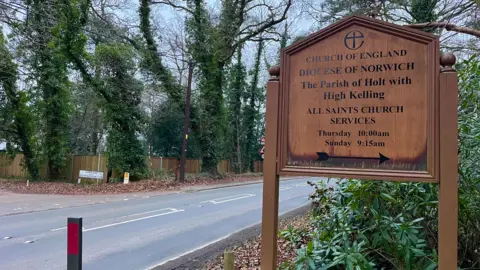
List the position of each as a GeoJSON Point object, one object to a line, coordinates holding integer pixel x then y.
{"type": "Point", "coordinates": [228, 260]}
{"type": "Point", "coordinates": [448, 187]}
{"type": "Point", "coordinates": [270, 176]}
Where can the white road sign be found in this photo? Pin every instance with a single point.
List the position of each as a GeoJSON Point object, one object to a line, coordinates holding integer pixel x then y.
{"type": "Point", "coordinates": [90, 174]}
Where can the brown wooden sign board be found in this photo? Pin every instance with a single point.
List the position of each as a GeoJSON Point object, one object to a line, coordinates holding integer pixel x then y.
{"type": "Point", "coordinates": [360, 99]}
{"type": "Point", "coordinates": [364, 99]}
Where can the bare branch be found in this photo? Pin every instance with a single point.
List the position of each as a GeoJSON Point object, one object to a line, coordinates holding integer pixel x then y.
{"type": "Point", "coordinates": [457, 10]}
{"type": "Point", "coordinates": [448, 27]}
{"type": "Point", "coordinates": [266, 25]}
{"type": "Point", "coordinates": [170, 3]}
{"type": "Point", "coordinates": [125, 37]}
{"type": "Point", "coordinates": [264, 39]}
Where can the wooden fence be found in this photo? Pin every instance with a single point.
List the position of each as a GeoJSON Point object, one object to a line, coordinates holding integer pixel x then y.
{"type": "Point", "coordinates": [86, 163]}
{"type": "Point", "coordinates": [12, 168]}
{"type": "Point", "coordinates": [191, 165]}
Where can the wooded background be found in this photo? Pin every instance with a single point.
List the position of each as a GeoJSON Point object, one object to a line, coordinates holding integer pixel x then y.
{"type": "Point", "coordinates": [90, 77]}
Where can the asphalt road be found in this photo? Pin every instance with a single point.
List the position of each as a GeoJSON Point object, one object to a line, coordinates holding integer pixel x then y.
{"type": "Point", "coordinates": [140, 233]}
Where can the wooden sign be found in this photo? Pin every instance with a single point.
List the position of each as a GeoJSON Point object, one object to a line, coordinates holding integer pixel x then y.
{"type": "Point", "coordinates": [360, 99]}
{"type": "Point", "coordinates": [364, 99]}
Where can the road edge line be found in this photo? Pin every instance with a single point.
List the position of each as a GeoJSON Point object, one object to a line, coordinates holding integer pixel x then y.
{"type": "Point", "coordinates": [237, 238]}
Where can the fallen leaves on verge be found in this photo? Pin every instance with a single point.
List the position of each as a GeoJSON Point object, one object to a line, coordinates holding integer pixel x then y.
{"type": "Point", "coordinates": [63, 188]}
{"type": "Point", "coordinates": [247, 256]}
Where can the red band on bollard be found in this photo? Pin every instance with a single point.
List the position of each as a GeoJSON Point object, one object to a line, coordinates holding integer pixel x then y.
{"type": "Point", "coordinates": [74, 243]}
{"type": "Point", "coordinates": [73, 239]}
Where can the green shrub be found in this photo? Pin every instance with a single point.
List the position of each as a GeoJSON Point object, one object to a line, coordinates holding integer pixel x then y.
{"type": "Point", "coordinates": [371, 225]}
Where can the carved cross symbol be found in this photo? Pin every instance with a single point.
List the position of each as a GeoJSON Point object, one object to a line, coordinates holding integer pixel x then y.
{"type": "Point", "coordinates": [354, 40]}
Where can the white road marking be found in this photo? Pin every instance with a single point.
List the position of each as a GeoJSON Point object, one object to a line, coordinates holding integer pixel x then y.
{"type": "Point", "coordinates": [7, 237]}
{"type": "Point", "coordinates": [153, 211]}
{"type": "Point", "coordinates": [29, 242]}
{"type": "Point", "coordinates": [172, 211]}
{"type": "Point", "coordinates": [229, 198]}
{"type": "Point", "coordinates": [284, 188]}
{"type": "Point", "coordinates": [58, 229]}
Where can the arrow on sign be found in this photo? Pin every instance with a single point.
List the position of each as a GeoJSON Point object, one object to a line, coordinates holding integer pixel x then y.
{"type": "Point", "coordinates": [322, 156]}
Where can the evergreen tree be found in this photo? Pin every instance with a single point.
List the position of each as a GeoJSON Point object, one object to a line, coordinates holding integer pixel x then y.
{"type": "Point", "coordinates": [18, 126]}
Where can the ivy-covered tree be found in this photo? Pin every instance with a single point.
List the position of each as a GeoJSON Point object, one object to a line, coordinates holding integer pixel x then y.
{"type": "Point", "coordinates": [123, 115]}
{"type": "Point", "coordinates": [49, 69]}
{"type": "Point", "coordinates": [17, 121]}
{"type": "Point", "coordinates": [152, 62]}
{"type": "Point", "coordinates": [116, 85]}
{"type": "Point", "coordinates": [210, 76]}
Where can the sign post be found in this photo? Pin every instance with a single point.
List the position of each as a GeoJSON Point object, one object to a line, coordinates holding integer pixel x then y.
{"type": "Point", "coordinates": [448, 191]}
{"type": "Point", "coordinates": [363, 99]}
{"type": "Point", "coordinates": [270, 176]}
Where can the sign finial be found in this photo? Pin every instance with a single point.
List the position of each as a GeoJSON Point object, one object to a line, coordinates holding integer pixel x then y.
{"type": "Point", "coordinates": [447, 61]}
{"type": "Point", "coordinates": [274, 73]}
